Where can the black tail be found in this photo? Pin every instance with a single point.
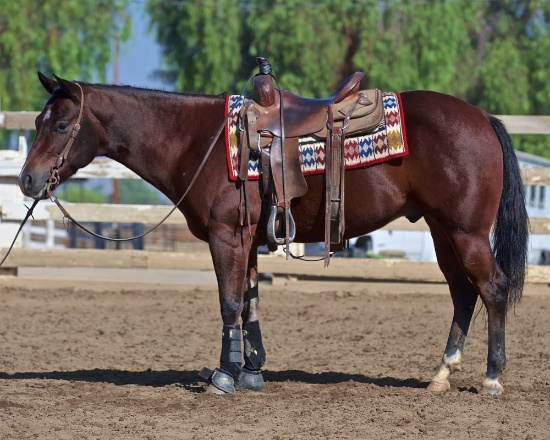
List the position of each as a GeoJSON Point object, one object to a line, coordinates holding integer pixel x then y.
{"type": "Point", "coordinates": [511, 228]}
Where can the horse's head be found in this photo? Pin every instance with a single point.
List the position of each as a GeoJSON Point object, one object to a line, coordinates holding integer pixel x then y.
{"type": "Point", "coordinates": [64, 121]}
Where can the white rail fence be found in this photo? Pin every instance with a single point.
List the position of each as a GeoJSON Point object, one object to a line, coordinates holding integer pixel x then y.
{"type": "Point", "coordinates": [13, 210]}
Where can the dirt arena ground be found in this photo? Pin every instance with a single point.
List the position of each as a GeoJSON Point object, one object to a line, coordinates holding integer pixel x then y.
{"type": "Point", "coordinates": [99, 359]}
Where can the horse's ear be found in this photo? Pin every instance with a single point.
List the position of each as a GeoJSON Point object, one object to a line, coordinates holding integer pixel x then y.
{"type": "Point", "coordinates": [48, 83]}
{"type": "Point", "coordinates": [69, 87]}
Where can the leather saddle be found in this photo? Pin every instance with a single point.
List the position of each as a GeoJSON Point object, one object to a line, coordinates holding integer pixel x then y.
{"type": "Point", "coordinates": [309, 117]}
{"type": "Point", "coordinates": [272, 124]}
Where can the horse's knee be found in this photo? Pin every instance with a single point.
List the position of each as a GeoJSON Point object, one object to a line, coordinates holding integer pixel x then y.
{"type": "Point", "coordinates": [231, 308]}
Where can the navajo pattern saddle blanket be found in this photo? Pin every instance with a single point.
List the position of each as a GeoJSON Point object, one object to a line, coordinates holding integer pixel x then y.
{"type": "Point", "coordinates": [387, 141]}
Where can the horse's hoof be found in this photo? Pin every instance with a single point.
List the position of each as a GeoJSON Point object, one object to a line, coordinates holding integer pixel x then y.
{"type": "Point", "coordinates": [211, 389]}
{"type": "Point", "coordinates": [221, 383]}
{"type": "Point", "coordinates": [250, 380]}
{"type": "Point", "coordinates": [491, 387]}
{"type": "Point", "coordinates": [439, 387]}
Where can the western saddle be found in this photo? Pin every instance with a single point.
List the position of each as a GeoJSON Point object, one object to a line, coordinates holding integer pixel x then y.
{"type": "Point", "coordinates": [271, 124]}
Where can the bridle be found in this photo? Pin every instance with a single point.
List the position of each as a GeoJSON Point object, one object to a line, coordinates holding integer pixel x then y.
{"type": "Point", "coordinates": [54, 179]}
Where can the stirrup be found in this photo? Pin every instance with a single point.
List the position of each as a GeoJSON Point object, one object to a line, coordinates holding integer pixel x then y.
{"type": "Point", "coordinates": [272, 230]}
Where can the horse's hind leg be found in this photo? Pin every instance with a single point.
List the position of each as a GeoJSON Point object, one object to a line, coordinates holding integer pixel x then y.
{"type": "Point", "coordinates": [250, 377]}
{"type": "Point", "coordinates": [464, 298]}
{"type": "Point", "coordinates": [474, 253]}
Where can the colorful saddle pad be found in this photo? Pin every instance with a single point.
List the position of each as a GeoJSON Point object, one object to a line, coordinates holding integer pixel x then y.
{"type": "Point", "coordinates": [387, 141]}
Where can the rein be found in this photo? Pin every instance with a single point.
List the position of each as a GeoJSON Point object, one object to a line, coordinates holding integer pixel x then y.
{"type": "Point", "coordinates": [29, 214]}
{"type": "Point", "coordinates": [53, 181]}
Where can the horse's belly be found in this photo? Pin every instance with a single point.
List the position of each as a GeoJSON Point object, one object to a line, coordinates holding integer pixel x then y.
{"type": "Point", "coordinates": [372, 198]}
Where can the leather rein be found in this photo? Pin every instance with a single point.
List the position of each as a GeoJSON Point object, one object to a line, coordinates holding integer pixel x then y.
{"type": "Point", "coordinates": [54, 180]}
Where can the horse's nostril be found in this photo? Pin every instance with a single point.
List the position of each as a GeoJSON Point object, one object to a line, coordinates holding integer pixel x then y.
{"type": "Point", "coordinates": [28, 181]}
{"type": "Point", "coordinates": [24, 181]}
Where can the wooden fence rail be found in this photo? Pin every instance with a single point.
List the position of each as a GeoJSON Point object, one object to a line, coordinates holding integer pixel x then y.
{"type": "Point", "coordinates": [152, 214]}
{"type": "Point", "coordinates": [352, 269]}
{"type": "Point", "coordinates": [514, 124]}
{"type": "Point", "coordinates": [13, 210]}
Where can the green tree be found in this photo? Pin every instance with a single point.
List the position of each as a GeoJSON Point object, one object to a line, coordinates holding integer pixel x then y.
{"type": "Point", "coordinates": [305, 43]}
{"type": "Point", "coordinates": [72, 191]}
{"type": "Point", "coordinates": [201, 43]}
{"type": "Point", "coordinates": [71, 38]}
{"type": "Point", "coordinates": [493, 54]}
{"type": "Point", "coordinates": [137, 191]}
{"type": "Point", "coordinates": [411, 45]}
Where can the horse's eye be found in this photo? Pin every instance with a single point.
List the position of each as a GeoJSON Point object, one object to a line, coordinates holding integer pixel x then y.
{"type": "Point", "coordinates": [62, 127]}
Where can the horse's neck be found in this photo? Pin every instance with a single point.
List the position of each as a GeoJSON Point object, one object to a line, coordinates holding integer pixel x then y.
{"type": "Point", "coordinates": [151, 132]}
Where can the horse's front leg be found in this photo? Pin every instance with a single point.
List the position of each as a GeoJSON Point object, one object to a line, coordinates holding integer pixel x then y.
{"type": "Point", "coordinates": [230, 251]}
{"type": "Point", "coordinates": [250, 377]}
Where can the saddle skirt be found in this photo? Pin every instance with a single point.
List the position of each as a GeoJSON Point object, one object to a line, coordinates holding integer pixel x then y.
{"type": "Point", "coordinates": [385, 142]}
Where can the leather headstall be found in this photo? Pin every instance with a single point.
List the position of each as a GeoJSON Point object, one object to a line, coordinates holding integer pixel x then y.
{"type": "Point", "coordinates": [54, 179]}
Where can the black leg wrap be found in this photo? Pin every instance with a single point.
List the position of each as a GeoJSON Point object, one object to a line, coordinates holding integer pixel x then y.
{"type": "Point", "coordinates": [254, 352]}
{"type": "Point", "coordinates": [231, 356]}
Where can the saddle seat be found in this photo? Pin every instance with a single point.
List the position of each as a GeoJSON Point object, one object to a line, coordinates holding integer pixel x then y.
{"type": "Point", "coordinates": [303, 116]}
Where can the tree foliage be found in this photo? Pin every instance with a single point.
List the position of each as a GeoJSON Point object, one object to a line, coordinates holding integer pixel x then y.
{"type": "Point", "coordinates": [494, 54]}
{"type": "Point", "coordinates": [137, 191]}
{"type": "Point", "coordinates": [71, 38]}
{"type": "Point", "coordinates": [201, 44]}
{"type": "Point", "coordinates": [74, 191]}
{"type": "Point", "coordinates": [131, 191]}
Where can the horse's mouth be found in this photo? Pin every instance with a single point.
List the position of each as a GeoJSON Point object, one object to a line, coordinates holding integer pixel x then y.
{"type": "Point", "coordinates": [30, 190]}
{"type": "Point", "coordinates": [43, 194]}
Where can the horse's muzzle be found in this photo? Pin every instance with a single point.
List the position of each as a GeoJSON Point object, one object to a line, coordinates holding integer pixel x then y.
{"type": "Point", "coordinates": [32, 186]}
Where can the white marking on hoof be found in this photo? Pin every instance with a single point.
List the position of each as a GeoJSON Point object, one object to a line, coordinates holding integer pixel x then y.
{"type": "Point", "coordinates": [439, 387]}
{"type": "Point", "coordinates": [449, 364]}
{"type": "Point", "coordinates": [491, 387]}
{"type": "Point", "coordinates": [211, 389]}
{"type": "Point", "coordinates": [453, 362]}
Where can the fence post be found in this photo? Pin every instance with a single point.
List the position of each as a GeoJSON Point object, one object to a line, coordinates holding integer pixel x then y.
{"type": "Point", "coordinates": [9, 190]}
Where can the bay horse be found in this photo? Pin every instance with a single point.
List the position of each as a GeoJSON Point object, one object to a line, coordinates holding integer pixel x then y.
{"type": "Point", "coordinates": [461, 175]}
